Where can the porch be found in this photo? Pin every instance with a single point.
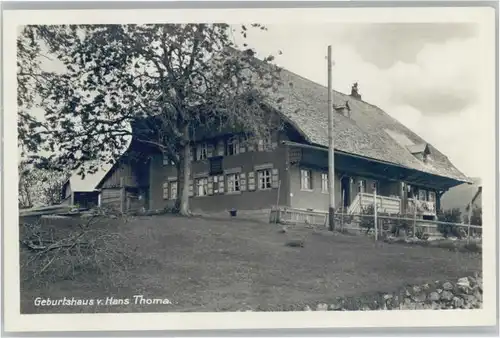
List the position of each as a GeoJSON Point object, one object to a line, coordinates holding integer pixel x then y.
{"type": "Point", "coordinates": [391, 205]}
{"type": "Point", "coordinates": [385, 204]}
{"type": "Point", "coordinates": [399, 190]}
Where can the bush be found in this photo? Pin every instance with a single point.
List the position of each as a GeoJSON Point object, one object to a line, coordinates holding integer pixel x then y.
{"type": "Point", "coordinates": [477, 216]}
{"type": "Point", "coordinates": [398, 224]}
{"type": "Point", "coordinates": [367, 222]}
{"type": "Point", "coordinates": [450, 216]}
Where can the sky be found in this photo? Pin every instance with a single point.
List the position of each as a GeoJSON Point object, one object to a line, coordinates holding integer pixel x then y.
{"type": "Point", "coordinates": [422, 74]}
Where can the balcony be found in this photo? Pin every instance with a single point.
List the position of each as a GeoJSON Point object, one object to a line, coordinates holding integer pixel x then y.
{"type": "Point", "coordinates": [385, 204]}
{"type": "Point", "coordinates": [422, 207]}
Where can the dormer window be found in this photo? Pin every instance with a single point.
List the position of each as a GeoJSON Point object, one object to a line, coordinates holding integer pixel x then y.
{"type": "Point", "coordinates": [420, 151]}
{"type": "Point", "coordinates": [343, 109]}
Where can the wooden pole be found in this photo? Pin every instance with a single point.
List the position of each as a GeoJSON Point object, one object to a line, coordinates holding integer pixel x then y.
{"type": "Point", "coordinates": [331, 146]}
{"type": "Point", "coordinates": [342, 210]}
{"type": "Point", "coordinates": [414, 216]}
{"type": "Point", "coordinates": [468, 225]}
{"type": "Point", "coordinates": [122, 195]}
{"type": "Point", "coordinates": [375, 213]}
{"type": "Point", "coordinates": [278, 201]}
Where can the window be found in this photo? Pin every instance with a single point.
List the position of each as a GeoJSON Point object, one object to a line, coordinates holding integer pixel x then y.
{"type": "Point", "coordinates": [173, 190]}
{"type": "Point", "coordinates": [201, 151]}
{"type": "Point", "coordinates": [422, 194]}
{"type": "Point", "coordinates": [361, 186]}
{"type": "Point", "coordinates": [409, 191]}
{"type": "Point", "coordinates": [432, 196]}
{"type": "Point", "coordinates": [265, 144]}
{"type": "Point", "coordinates": [305, 179]}
{"type": "Point", "coordinates": [201, 186]}
{"type": "Point", "coordinates": [233, 182]}
{"type": "Point", "coordinates": [165, 190]}
{"type": "Point", "coordinates": [191, 153]}
{"type": "Point", "coordinates": [166, 160]}
{"type": "Point", "coordinates": [232, 146]}
{"type": "Point", "coordinates": [324, 182]}
{"type": "Point", "coordinates": [264, 177]}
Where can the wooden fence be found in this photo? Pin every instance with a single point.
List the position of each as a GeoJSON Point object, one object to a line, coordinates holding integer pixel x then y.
{"type": "Point", "coordinates": [379, 223]}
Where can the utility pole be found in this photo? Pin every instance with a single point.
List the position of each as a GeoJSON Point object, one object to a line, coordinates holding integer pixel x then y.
{"type": "Point", "coordinates": [331, 159]}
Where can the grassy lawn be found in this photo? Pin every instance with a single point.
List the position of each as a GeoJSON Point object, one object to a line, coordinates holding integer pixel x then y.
{"type": "Point", "coordinates": [209, 264]}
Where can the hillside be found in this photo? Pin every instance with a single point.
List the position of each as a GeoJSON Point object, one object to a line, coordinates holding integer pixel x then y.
{"type": "Point", "coordinates": [461, 195]}
{"type": "Point", "coordinates": [223, 264]}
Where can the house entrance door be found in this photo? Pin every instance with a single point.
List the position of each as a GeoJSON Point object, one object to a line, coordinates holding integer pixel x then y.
{"type": "Point", "coordinates": [345, 188]}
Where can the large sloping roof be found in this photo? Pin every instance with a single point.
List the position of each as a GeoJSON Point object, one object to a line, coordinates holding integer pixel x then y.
{"type": "Point", "coordinates": [368, 131]}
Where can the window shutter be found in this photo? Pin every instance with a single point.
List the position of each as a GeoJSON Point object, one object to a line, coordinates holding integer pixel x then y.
{"type": "Point", "coordinates": [215, 184]}
{"type": "Point", "coordinates": [221, 184]}
{"type": "Point", "coordinates": [251, 181]}
{"type": "Point", "coordinates": [220, 148]}
{"type": "Point", "coordinates": [236, 145]}
{"type": "Point", "coordinates": [250, 145]}
{"type": "Point", "coordinates": [260, 145]}
{"type": "Point", "coordinates": [210, 150]}
{"type": "Point", "coordinates": [191, 191]}
{"type": "Point", "coordinates": [274, 178]}
{"type": "Point", "coordinates": [243, 182]}
{"type": "Point", "coordinates": [191, 154]}
{"type": "Point", "coordinates": [242, 145]}
{"type": "Point", "coordinates": [165, 190]}
{"type": "Point", "coordinates": [210, 185]}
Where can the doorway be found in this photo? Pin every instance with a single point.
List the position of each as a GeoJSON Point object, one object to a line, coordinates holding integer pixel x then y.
{"type": "Point", "coordinates": [345, 188]}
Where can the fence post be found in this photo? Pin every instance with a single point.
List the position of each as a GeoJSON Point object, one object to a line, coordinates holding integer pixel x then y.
{"type": "Point", "coordinates": [468, 225]}
{"type": "Point", "coordinates": [375, 213]}
{"type": "Point", "coordinates": [414, 216]}
{"type": "Point", "coordinates": [342, 211]}
{"type": "Point", "coordinates": [278, 200]}
{"type": "Point", "coordinates": [122, 195]}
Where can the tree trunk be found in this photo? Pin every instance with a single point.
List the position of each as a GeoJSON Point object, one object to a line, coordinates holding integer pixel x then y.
{"type": "Point", "coordinates": [180, 184]}
{"type": "Point", "coordinates": [185, 174]}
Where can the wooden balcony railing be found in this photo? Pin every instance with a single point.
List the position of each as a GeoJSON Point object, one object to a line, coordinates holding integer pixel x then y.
{"type": "Point", "coordinates": [385, 204]}
{"type": "Point", "coordinates": [423, 207]}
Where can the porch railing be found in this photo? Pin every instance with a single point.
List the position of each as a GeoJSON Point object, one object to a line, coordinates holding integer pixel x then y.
{"type": "Point", "coordinates": [385, 204]}
{"type": "Point", "coordinates": [298, 216]}
{"type": "Point", "coordinates": [423, 207]}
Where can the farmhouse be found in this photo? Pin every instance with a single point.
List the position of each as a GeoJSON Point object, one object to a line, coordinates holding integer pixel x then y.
{"type": "Point", "coordinates": [290, 169]}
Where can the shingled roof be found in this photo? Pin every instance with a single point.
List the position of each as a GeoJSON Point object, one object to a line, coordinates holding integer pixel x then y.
{"type": "Point", "coordinates": [368, 131]}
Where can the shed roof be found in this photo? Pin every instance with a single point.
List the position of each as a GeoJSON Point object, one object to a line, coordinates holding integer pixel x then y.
{"type": "Point", "coordinates": [90, 181]}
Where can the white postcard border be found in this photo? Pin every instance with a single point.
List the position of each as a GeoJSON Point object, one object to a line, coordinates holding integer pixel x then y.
{"type": "Point", "coordinates": [14, 321]}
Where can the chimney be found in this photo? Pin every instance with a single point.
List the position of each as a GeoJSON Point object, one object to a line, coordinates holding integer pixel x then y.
{"type": "Point", "coordinates": [354, 91]}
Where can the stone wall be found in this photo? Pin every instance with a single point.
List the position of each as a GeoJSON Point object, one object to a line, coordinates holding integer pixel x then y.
{"type": "Point", "coordinates": [453, 244]}
{"type": "Point", "coordinates": [466, 293]}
